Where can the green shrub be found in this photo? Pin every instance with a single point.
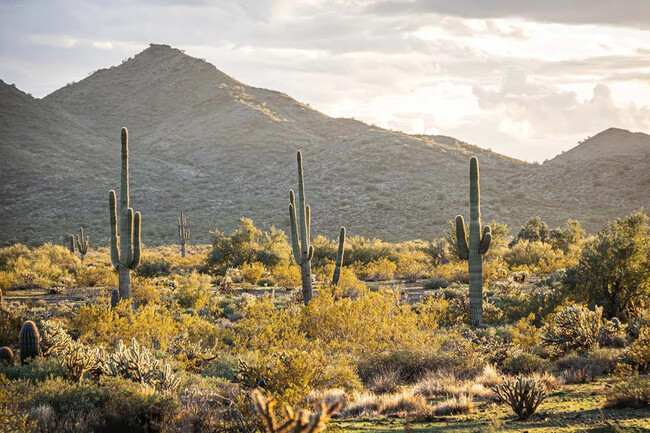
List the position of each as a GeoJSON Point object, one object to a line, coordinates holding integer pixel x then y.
{"type": "Point", "coordinates": [632, 392]}
{"type": "Point", "coordinates": [193, 290]}
{"type": "Point", "coordinates": [639, 350]}
{"type": "Point", "coordinates": [153, 265]}
{"type": "Point", "coordinates": [436, 283]}
{"type": "Point", "coordinates": [525, 363]}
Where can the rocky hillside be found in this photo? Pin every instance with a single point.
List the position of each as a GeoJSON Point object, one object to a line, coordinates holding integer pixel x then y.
{"type": "Point", "coordinates": [218, 149]}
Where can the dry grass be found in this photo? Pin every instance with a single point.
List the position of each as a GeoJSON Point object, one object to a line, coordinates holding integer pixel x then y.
{"type": "Point", "coordinates": [445, 384]}
{"type": "Point", "coordinates": [386, 382]}
{"type": "Point", "coordinates": [402, 404]}
{"type": "Point", "coordinates": [489, 377]}
{"type": "Point", "coordinates": [549, 381]}
{"type": "Point", "coordinates": [456, 405]}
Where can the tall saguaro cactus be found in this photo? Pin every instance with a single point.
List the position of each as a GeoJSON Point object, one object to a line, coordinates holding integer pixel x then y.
{"type": "Point", "coordinates": [303, 251]}
{"type": "Point", "coordinates": [479, 243]}
{"type": "Point", "coordinates": [183, 233]}
{"type": "Point", "coordinates": [125, 246]}
{"type": "Point", "coordinates": [339, 257]}
{"type": "Point", "coordinates": [82, 243]}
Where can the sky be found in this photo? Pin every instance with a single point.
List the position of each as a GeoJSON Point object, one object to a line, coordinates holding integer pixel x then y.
{"type": "Point", "coordinates": [528, 79]}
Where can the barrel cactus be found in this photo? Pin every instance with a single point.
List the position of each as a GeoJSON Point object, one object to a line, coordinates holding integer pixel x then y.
{"type": "Point", "coordinates": [6, 355]}
{"type": "Point", "coordinates": [479, 243]}
{"type": "Point", "coordinates": [125, 246]}
{"type": "Point", "coordinates": [29, 341]}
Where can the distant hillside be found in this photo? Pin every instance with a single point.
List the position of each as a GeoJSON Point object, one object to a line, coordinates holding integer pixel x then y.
{"type": "Point", "coordinates": [218, 149]}
{"type": "Point", "coordinates": [612, 142]}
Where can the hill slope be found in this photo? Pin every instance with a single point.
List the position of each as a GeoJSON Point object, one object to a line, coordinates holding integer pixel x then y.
{"type": "Point", "coordinates": [218, 149]}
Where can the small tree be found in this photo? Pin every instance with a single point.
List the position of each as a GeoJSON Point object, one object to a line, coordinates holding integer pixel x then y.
{"type": "Point", "coordinates": [534, 230]}
{"type": "Point", "coordinates": [614, 269]}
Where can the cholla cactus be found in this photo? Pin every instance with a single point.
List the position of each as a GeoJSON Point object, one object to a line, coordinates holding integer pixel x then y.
{"type": "Point", "coordinates": [138, 364]}
{"type": "Point", "coordinates": [77, 358]}
{"type": "Point", "coordinates": [302, 421]}
{"type": "Point", "coordinates": [30, 342]}
{"type": "Point", "coordinates": [522, 395]}
{"type": "Point", "coordinates": [573, 328]}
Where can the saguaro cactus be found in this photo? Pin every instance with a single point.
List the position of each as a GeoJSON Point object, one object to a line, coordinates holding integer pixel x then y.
{"type": "Point", "coordinates": [183, 233]}
{"type": "Point", "coordinates": [30, 342]}
{"type": "Point", "coordinates": [339, 257]}
{"type": "Point", "coordinates": [479, 243]}
{"type": "Point", "coordinates": [82, 243]}
{"type": "Point", "coordinates": [303, 251]}
{"type": "Point", "coordinates": [71, 247]}
{"type": "Point", "coordinates": [125, 246]}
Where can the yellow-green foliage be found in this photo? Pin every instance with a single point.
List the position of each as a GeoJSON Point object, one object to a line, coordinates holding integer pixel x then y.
{"type": "Point", "coordinates": [639, 350]}
{"type": "Point", "coordinates": [144, 291]}
{"type": "Point", "coordinates": [286, 275]}
{"type": "Point", "coordinates": [536, 256]}
{"type": "Point", "coordinates": [252, 272]}
{"type": "Point", "coordinates": [412, 265]}
{"type": "Point", "coordinates": [379, 270]}
{"type": "Point", "coordinates": [99, 324]}
{"type": "Point", "coordinates": [193, 290]}
{"type": "Point", "coordinates": [455, 272]}
{"type": "Point", "coordinates": [525, 334]}
{"type": "Point", "coordinates": [46, 266]}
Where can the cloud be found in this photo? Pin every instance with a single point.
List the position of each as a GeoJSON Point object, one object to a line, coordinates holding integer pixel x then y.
{"type": "Point", "coordinates": [534, 111]}
{"type": "Point", "coordinates": [626, 13]}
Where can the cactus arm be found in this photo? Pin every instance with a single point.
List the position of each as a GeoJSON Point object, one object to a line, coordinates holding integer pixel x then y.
{"type": "Point", "coordinates": [461, 238]}
{"type": "Point", "coordinates": [136, 241]}
{"type": "Point", "coordinates": [310, 253]}
{"type": "Point", "coordinates": [115, 239]}
{"type": "Point", "coordinates": [129, 240]}
{"type": "Point", "coordinates": [302, 209]}
{"type": "Point", "coordinates": [486, 239]}
{"type": "Point", "coordinates": [71, 246]}
{"type": "Point", "coordinates": [339, 257]}
{"type": "Point", "coordinates": [295, 243]}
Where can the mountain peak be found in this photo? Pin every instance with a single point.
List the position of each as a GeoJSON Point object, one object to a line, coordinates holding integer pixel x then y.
{"type": "Point", "coordinates": [612, 142]}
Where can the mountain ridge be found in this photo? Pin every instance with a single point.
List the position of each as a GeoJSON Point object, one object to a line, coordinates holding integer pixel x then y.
{"type": "Point", "coordinates": [219, 149]}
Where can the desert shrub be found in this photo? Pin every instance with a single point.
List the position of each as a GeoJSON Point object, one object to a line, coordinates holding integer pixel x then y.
{"type": "Point", "coordinates": [153, 265]}
{"type": "Point", "coordinates": [639, 351]}
{"type": "Point", "coordinates": [456, 272]}
{"type": "Point", "coordinates": [46, 266]}
{"type": "Point", "coordinates": [597, 362]}
{"type": "Point", "coordinates": [99, 324]}
{"type": "Point", "coordinates": [436, 283]}
{"type": "Point", "coordinates": [522, 395]}
{"type": "Point", "coordinates": [287, 276]}
{"type": "Point", "coordinates": [612, 270]}
{"type": "Point", "coordinates": [365, 251]}
{"type": "Point", "coordinates": [11, 320]}
{"type": "Point", "coordinates": [379, 270]}
{"type": "Point", "coordinates": [290, 375]}
{"type": "Point", "coordinates": [97, 274]}
{"type": "Point", "coordinates": [525, 334]}
{"type": "Point", "coordinates": [37, 370]}
{"type": "Point", "coordinates": [631, 392]}
{"type": "Point", "coordinates": [248, 244]}
{"type": "Point", "coordinates": [252, 272]}
{"type": "Point", "coordinates": [573, 328]}
{"type": "Point", "coordinates": [267, 282]}
{"type": "Point", "coordinates": [537, 256]}
{"type": "Point", "coordinates": [525, 363]}
{"type": "Point", "coordinates": [193, 290]}
{"type": "Point", "coordinates": [458, 311]}
{"type": "Point", "coordinates": [131, 408]}
{"type": "Point", "coordinates": [613, 333]}
{"type": "Point", "coordinates": [432, 311]}
{"type": "Point", "coordinates": [144, 291]}
{"type": "Point", "coordinates": [349, 284]}
{"type": "Point", "coordinates": [412, 266]}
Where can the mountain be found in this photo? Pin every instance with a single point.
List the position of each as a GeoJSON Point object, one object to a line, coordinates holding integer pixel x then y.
{"type": "Point", "coordinates": [218, 149]}
{"type": "Point", "coordinates": [611, 143]}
